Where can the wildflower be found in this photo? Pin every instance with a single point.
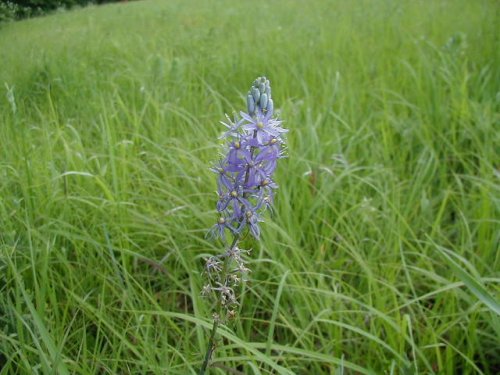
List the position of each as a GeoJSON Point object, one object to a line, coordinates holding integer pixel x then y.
{"type": "Point", "coordinates": [263, 126]}
{"type": "Point", "coordinates": [245, 187]}
{"type": "Point", "coordinates": [206, 290]}
{"type": "Point", "coordinates": [244, 182]}
{"type": "Point", "coordinates": [213, 265]}
{"type": "Point", "coordinates": [231, 125]}
{"type": "Point", "coordinates": [219, 229]}
{"type": "Point", "coordinates": [226, 294]}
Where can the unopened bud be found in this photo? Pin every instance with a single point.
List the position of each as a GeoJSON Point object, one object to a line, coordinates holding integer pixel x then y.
{"type": "Point", "coordinates": [250, 104]}
{"type": "Point", "coordinates": [268, 91]}
{"type": "Point", "coordinates": [255, 94]}
{"type": "Point", "coordinates": [263, 101]}
{"type": "Point", "coordinates": [270, 106]}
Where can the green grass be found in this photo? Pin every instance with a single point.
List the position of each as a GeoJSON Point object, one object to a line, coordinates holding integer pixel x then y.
{"type": "Point", "coordinates": [382, 256]}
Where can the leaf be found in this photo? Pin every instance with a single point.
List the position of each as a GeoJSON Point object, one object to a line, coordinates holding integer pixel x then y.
{"type": "Point", "coordinates": [472, 283]}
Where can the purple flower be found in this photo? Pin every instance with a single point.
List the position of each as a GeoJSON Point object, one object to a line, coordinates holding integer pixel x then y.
{"type": "Point", "coordinates": [252, 220]}
{"type": "Point", "coordinates": [245, 182]}
{"type": "Point", "coordinates": [219, 229]}
{"type": "Point", "coordinates": [224, 178]}
{"type": "Point", "coordinates": [261, 165]}
{"type": "Point", "coordinates": [232, 126]}
{"type": "Point", "coordinates": [235, 160]}
{"type": "Point", "coordinates": [262, 126]}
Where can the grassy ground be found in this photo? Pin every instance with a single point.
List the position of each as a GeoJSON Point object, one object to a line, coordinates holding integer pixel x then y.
{"type": "Point", "coordinates": [382, 256]}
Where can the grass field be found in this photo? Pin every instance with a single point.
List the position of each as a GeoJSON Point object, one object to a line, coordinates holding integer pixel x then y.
{"type": "Point", "coordinates": [382, 256]}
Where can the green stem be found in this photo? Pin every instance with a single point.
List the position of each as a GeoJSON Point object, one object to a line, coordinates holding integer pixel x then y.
{"type": "Point", "coordinates": [211, 347]}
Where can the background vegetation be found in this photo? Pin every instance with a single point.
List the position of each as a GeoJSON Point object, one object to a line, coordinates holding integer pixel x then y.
{"type": "Point", "coordinates": [382, 256]}
{"type": "Point", "coordinates": [17, 9]}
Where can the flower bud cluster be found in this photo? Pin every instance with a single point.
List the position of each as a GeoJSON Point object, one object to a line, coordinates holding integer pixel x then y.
{"type": "Point", "coordinates": [259, 97]}
{"type": "Point", "coordinates": [245, 182]}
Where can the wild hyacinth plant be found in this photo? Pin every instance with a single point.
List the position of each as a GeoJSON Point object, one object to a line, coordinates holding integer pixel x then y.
{"type": "Point", "coordinates": [245, 186]}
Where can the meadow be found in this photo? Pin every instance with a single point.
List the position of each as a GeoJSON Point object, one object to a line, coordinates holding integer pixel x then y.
{"type": "Point", "coordinates": [382, 254]}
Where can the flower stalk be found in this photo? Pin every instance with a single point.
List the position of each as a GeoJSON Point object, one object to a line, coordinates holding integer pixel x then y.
{"type": "Point", "coordinates": [245, 186]}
